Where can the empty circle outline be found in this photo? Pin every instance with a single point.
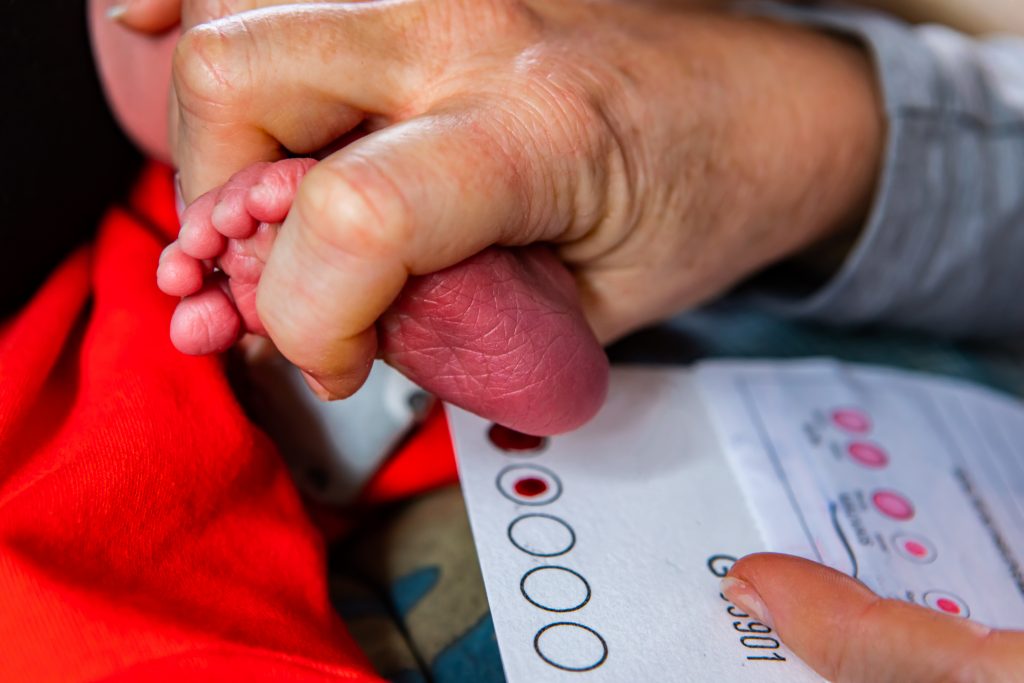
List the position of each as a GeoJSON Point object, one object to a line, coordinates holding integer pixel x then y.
{"type": "Point", "coordinates": [533, 515]}
{"type": "Point", "coordinates": [522, 589]}
{"type": "Point", "coordinates": [604, 647]}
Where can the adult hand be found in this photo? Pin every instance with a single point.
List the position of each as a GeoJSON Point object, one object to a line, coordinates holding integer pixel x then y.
{"type": "Point", "coordinates": [667, 154]}
{"type": "Point", "coordinates": [133, 43]}
{"type": "Point", "coordinates": [850, 635]}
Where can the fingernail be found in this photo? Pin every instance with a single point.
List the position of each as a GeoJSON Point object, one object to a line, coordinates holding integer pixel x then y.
{"type": "Point", "coordinates": [179, 197]}
{"type": "Point", "coordinates": [743, 595]}
{"type": "Point", "coordinates": [115, 12]}
{"type": "Point", "coordinates": [315, 386]}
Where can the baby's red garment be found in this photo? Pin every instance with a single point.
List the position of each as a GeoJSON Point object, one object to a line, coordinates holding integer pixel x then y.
{"type": "Point", "coordinates": [148, 531]}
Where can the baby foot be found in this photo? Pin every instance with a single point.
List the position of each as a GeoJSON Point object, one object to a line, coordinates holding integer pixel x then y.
{"type": "Point", "coordinates": [500, 334]}
{"type": "Point", "coordinates": [233, 228]}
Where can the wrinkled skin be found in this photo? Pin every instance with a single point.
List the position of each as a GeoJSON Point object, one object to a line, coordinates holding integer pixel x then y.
{"type": "Point", "coordinates": [503, 335]}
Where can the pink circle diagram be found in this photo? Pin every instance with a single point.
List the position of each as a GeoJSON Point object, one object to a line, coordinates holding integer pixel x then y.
{"type": "Point", "coordinates": [851, 420]}
{"type": "Point", "coordinates": [868, 454]}
{"type": "Point", "coordinates": [511, 441]}
{"type": "Point", "coordinates": [914, 547]}
{"type": "Point", "coordinates": [947, 603]}
{"type": "Point", "coordinates": [893, 505]}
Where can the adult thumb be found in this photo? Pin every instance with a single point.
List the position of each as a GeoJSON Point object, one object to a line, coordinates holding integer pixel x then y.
{"type": "Point", "coordinates": [848, 634]}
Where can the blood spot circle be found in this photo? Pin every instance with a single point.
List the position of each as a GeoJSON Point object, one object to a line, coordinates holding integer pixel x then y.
{"type": "Point", "coordinates": [530, 487]}
{"type": "Point", "coordinates": [511, 441]}
{"type": "Point", "coordinates": [529, 484]}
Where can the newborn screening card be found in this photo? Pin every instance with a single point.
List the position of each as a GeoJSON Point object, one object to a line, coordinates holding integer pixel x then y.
{"type": "Point", "coordinates": [914, 485]}
{"type": "Point", "coordinates": [602, 549]}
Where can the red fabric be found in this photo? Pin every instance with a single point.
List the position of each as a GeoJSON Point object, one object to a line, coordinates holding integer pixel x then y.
{"type": "Point", "coordinates": [425, 462]}
{"type": "Point", "coordinates": [148, 531]}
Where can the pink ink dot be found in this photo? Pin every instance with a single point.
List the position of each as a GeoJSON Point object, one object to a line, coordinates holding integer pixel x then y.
{"type": "Point", "coordinates": [942, 601]}
{"type": "Point", "coordinates": [916, 549]}
{"type": "Point", "coordinates": [530, 487]}
{"type": "Point", "coordinates": [868, 454]}
{"type": "Point", "coordinates": [852, 420]}
{"type": "Point", "coordinates": [510, 440]}
{"type": "Point", "coordinates": [892, 504]}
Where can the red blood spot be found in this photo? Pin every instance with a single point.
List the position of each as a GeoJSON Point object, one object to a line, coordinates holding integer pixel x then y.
{"type": "Point", "coordinates": [894, 505]}
{"type": "Point", "coordinates": [948, 606]}
{"type": "Point", "coordinates": [916, 549]}
{"type": "Point", "coordinates": [868, 454]}
{"type": "Point", "coordinates": [530, 487]}
{"type": "Point", "coordinates": [510, 440]}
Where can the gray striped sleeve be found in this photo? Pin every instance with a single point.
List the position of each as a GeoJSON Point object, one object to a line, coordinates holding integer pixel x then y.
{"type": "Point", "coordinates": [943, 248]}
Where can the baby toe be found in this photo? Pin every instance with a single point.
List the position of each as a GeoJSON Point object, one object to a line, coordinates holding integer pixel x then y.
{"type": "Point", "coordinates": [206, 322]}
{"type": "Point", "coordinates": [271, 197]}
{"type": "Point", "coordinates": [229, 215]}
{"type": "Point", "coordinates": [198, 238]}
{"type": "Point", "coordinates": [244, 260]}
{"type": "Point", "coordinates": [178, 273]}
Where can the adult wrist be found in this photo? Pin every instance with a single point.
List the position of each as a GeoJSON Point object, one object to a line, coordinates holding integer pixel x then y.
{"type": "Point", "coordinates": [816, 139]}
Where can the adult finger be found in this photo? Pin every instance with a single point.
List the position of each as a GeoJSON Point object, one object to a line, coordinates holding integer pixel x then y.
{"type": "Point", "coordinates": [195, 12]}
{"type": "Point", "coordinates": [850, 635]}
{"type": "Point", "coordinates": [411, 199]}
{"type": "Point", "coordinates": [246, 90]}
{"type": "Point", "coordinates": [159, 16]}
{"type": "Point", "coordinates": [146, 16]}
